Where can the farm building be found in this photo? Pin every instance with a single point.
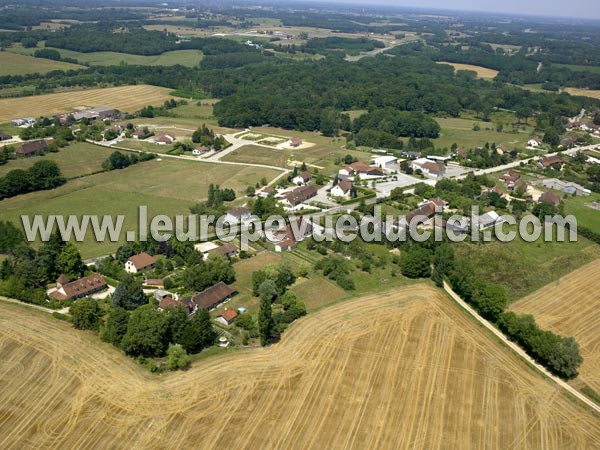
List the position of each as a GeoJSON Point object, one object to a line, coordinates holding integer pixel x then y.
{"type": "Point", "coordinates": [550, 161]}
{"type": "Point", "coordinates": [299, 195]}
{"type": "Point", "coordinates": [211, 297]}
{"type": "Point", "coordinates": [227, 316]}
{"type": "Point", "coordinates": [429, 168]}
{"type": "Point", "coordinates": [295, 142]}
{"type": "Point", "coordinates": [549, 198]}
{"type": "Point", "coordinates": [31, 148]}
{"type": "Point", "coordinates": [164, 139]}
{"type": "Point", "coordinates": [385, 162]}
{"type": "Point", "coordinates": [238, 215]}
{"type": "Point", "coordinates": [140, 262]}
{"type": "Point", "coordinates": [568, 187]}
{"type": "Point", "coordinates": [79, 288]}
{"type": "Point", "coordinates": [4, 136]}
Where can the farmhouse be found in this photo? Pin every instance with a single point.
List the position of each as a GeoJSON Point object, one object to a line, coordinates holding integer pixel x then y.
{"type": "Point", "coordinates": [31, 148]}
{"type": "Point", "coordinates": [199, 151]}
{"type": "Point", "coordinates": [211, 297]}
{"type": "Point", "coordinates": [164, 139]}
{"type": "Point", "coordinates": [4, 136]}
{"type": "Point", "coordinates": [426, 210]}
{"type": "Point", "coordinates": [227, 316]}
{"type": "Point", "coordinates": [137, 134]}
{"type": "Point", "coordinates": [361, 169]}
{"type": "Point", "coordinates": [79, 288]}
{"type": "Point", "coordinates": [303, 178]}
{"type": "Point", "coordinates": [343, 189]}
{"type": "Point", "coordinates": [550, 161]}
{"type": "Point", "coordinates": [568, 187]}
{"type": "Point", "coordinates": [510, 178]}
{"type": "Point", "coordinates": [300, 195]}
{"type": "Point", "coordinates": [295, 142]}
{"type": "Point", "coordinates": [534, 142]}
{"type": "Point", "coordinates": [140, 262]}
{"type": "Point", "coordinates": [285, 245]}
{"type": "Point", "coordinates": [238, 215]}
{"type": "Point", "coordinates": [385, 162]}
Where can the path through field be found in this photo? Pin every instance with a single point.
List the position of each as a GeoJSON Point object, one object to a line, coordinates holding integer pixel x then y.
{"type": "Point", "coordinates": [405, 369]}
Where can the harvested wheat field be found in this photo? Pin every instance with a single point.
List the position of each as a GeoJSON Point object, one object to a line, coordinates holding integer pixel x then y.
{"type": "Point", "coordinates": [584, 92]}
{"type": "Point", "coordinates": [571, 307]}
{"type": "Point", "coordinates": [482, 72]}
{"type": "Point", "coordinates": [124, 98]}
{"type": "Point", "coordinates": [406, 369]}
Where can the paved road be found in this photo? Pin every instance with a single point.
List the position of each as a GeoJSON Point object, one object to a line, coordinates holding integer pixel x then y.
{"type": "Point", "coordinates": [519, 351]}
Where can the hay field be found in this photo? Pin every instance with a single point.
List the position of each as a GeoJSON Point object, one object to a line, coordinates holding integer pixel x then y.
{"type": "Point", "coordinates": [584, 92]}
{"type": "Point", "coordinates": [571, 307]}
{"type": "Point", "coordinates": [405, 369]}
{"type": "Point", "coordinates": [124, 98]}
{"type": "Point", "coordinates": [15, 64]}
{"type": "Point", "coordinates": [482, 72]}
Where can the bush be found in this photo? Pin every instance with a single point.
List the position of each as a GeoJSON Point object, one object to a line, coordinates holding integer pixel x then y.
{"type": "Point", "coordinates": [177, 357]}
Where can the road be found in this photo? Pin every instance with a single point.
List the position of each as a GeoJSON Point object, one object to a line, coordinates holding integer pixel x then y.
{"type": "Point", "coordinates": [519, 351]}
{"type": "Point", "coordinates": [31, 305]}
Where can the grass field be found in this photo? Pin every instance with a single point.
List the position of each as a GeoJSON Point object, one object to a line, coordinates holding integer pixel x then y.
{"type": "Point", "coordinates": [77, 159]}
{"type": "Point", "coordinates": [570, 306]}
{"type": "Point", "coordinates": [594, 69]}
{"type": "Point", "coordinates": [584, 92]}
{"type": "Point", "coordinates": [124, 98]}
{"type": "Point", "coordinates": [15, 64]}
{"type": "Point", "coordinates": [167, 187]}
{"type": "Point", "coordinates": [258, 155]}
{"type": "Point", "coordinates": [482, 72]}
{"type": "Point", "coordinates": [523, 267]}
{"type": "Point", "coordinates": [587, 217]}
{"type": "Point", "coordinates": [405, 369]}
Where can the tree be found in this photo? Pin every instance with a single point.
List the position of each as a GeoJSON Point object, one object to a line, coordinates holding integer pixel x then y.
{"type": "Point", "coordinates": [177, 357]}
{"type": "Point", "coordinates": [146, 333]}
{"type": "Point", "coordinates": [69, 262]}
{"type": "Point", "coordinates": [415, 263]}
{"type": "Point", "coordinates": [265, 321]}
{"type": "Point", "coordinates": [552, 137]}
{"type": "Point", "coordinates": [86, 314]}
{"type": "Point", "coordinates": [198, 333]}
{"type": "Point", "coordinates": [268, 290]}
{"type": "Point", "coordinates": [129, 294]}
{"type": "Point", "coordinates": [565, 358]}
{"type": "Point", "coordinates": [116, 326]}
{"type": "Point", "coordinates": [491, 301]}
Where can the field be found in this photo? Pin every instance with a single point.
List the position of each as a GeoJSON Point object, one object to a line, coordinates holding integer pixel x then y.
{"type": "Point", "coordinates": [166, 187]}
{"type": "Point", "coordinates": [124, 98]}
{"type": "Point", "coordinates": [585, 92]}
{"type": "Point", "coordinates": [570, 306]}
{"type": "Point", "coordinates": [594, 69]}
{"type": "Point", "coordinates": [482, 72]}
{"type": "Point", "coordinates": [405, 369]}
{"type": "Point", "coordinates": [587, 217]}
{"type": "Point", "coordinates": [75, 160]}
{"type": "Point", "coordinates": [258, 155]}
{"type": "Point", "coordinates": [523, 267]}
{"type": "Point", "coordinates": [15, 64]}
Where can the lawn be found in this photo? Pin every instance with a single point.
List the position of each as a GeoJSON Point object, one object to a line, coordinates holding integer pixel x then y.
{"type": "Point", "coordinates": [74, 160]}
{"type": "Point", "coordinates": [460, 131]}
{"type": "Point", "coordinates": [123, 98]}
{"type": "Point", "coordinates": [586, 217]}
{"type": "Point", "coordinates": [167, 187]}
{"type": "Point", "coordinates": [16, 64]}
{"type": "Point", "coordinates": [258, 155]}
{"type": "Point", "coordinates": [145, 146]}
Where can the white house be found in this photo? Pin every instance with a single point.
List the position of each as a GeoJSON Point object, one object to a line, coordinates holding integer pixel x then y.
{"type": "Point", "coordinates": [199, 151]}
{"type": "Point", "coordinates": [342, 189]}
{"type": "Point", "coordinates": [487, 220]}
{"type": "Point", "coordinates": [385, 162]}
{"type": "Point", "coordinates": [165, 139]}
{"type": "Point", "coordinates": [139, 262]}
{"type": "Point", "coordinates": [429, 168]}
{"type": "Point", "coordinates": [534, 142]}
{"type": "Point", "coordinates": [302, 178]}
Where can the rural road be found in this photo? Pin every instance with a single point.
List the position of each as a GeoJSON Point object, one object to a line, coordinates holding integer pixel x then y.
{"type": "Point", "coordinates": [31, 305]}
{"type": "Point", "coordinates": [519, 351]}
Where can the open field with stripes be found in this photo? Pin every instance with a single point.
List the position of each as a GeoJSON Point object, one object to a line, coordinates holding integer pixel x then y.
{"type": "Point", "coordinates": [403, 369]}
{"type": "Point", "coordinates": [571, 307]}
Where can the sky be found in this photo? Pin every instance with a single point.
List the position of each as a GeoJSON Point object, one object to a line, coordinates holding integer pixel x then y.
{"type": "Point", "coordinates": [589, 9]}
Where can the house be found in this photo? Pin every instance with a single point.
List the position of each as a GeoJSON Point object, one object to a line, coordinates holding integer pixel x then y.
{"type": "Point", "coordinates": [549, 198]}
{"type": "Point", "coordinates": [266, 192]}
{"type": "Point", "coordinates": [429, 168]}
{"type": "Point", "coordinates": [385, 162]}
{"type": "Point", "coordinates": [488, 220]}
{"type": "Point", "coordinates": [204, 248]}
{"type": "Point", "coordinates": [140, 262]}
{"type": "Point", "coordinates": [137, 134]}
{"type": "Point", "coordinates": [211, 297]}
{"type": "Point", "coordinates": [161, 294]}
{"type": "Point", "coordinates": [550, 161]}
{"type": "Point", "coordinates": [411, 154]}
{"type": "Point", "coordinates": [426, 210]}
{"type": "Point", "coordinates": [229, 250]}
{"type": "Point", "coordinates": [461, 153]}
{"type": "Point", "coordinates": [342, 189]}
{"type": "Point", "coordinates": [199, 151]}
{"type": "Point", "coordinates": [534, 142]}
{"type": "Point", "coordinates": [170, 302]}
{"type": "Point", "coordinates": [4, 136]}
{"type": "Point", "coordinates": [295, 142]}
{"type": "Point", "coordinates": [285, 245]}
{"type": "Point", "coordinates": [238, 215]}
{"type": "Point", "coordinates": [303, 178]}
{"type": "Point", "coordinates": [164, 139]}
{"type": "Point", "coordinates": [31, 148]}
{"type": "Point", "coordinates": [511, 176]}
{"type": "Point", "coordinates": [227, 316]}
{"type": "Point", "coordinates": [300, 195]}
{"type": "Point", "coordinates": [568, 141]}
{"type": "Point", "coordinates": [154, 282]}
{"type": "Point", "coordinates": [80, 288]}
{"type": "Point", "coordinates": [501, 149]}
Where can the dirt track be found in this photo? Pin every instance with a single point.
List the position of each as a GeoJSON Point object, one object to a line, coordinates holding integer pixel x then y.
{"type": "Point", "coordinates": [401, 370]}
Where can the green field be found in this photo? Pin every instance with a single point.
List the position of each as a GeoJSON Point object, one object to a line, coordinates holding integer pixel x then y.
{"type": "Point", "coordinates": [586, 217]}
{"type": "Point", "coordinates": [258, 155]}
{"type": "Point", "coordinates": [523, 267]}
{"type": "Point", "coordinates": [460, 131]}
{"type": "Point", "coordinates": [16, 64]}
{"type": "Point", "coordinates": [188, 58]}
{"type": "Point", "coordinates": [593, 69]}
{"type": "Point", "coordinates": [75, 160]}
{"type": "Point", "coordinates": [166, 187]}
